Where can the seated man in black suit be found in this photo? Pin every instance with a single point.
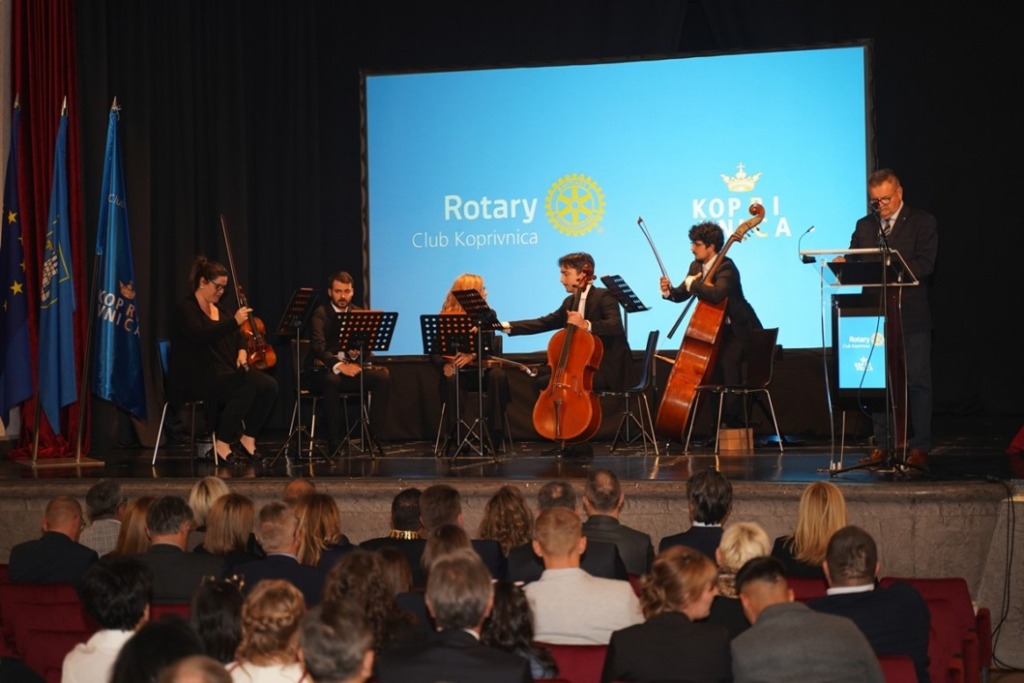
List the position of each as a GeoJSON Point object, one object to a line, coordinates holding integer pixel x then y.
{"type": "Point", "coordinates": [459, 596]}
{"type": "Point", "coordinates": [406, 533]}
{"type": "Point", "coordinates": [601, 558]}
{"type": "Point", "coordinates": [336, 646]}
{"type": "Point", "coordinates": [177, 574]}
{"type": "Point", "coordinates": [441, 504]}
{"type": "Point", "coordinates": [57, 556]}
{"type": "Point", "coordinates": [603, 500]}
{"type": "Point", "coordinates": [895, 620]}
{"type": "Point", "coordinates": [277, 533]}
{"type": "Point", "coordinates": [710, 497]}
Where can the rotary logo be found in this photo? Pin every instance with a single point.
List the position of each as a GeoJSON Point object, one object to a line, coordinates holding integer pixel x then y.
{"type": "Point", "coordinates": [878, 339]}
{"type": "Point", "coordinates": [575, 205]}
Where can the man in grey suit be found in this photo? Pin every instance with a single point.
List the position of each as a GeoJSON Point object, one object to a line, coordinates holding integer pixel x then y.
{"type": "Point", "coordinates": [603, 500]}
{"type": "Point", "coordinates": [791, 642]}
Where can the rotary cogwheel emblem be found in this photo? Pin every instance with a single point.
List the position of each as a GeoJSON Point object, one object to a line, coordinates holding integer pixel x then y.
{"type": "Point", "coordinates": [575, 204]}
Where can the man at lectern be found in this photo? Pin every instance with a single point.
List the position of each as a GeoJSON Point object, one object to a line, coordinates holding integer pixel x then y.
{"type": "Point", "coordinates": [912, 232]}
{"type": "Point", "coordinates": [335, 371]}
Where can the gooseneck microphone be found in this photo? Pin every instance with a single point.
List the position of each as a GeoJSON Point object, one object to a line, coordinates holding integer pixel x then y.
{"type": "Point", "coordinates": [805, 257]}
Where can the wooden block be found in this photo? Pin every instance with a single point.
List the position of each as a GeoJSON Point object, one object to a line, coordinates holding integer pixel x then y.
{"type": "Point", "coordinates": [736, 440]}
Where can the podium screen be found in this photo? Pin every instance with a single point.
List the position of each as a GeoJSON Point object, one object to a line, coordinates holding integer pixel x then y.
{"type": "Point", "coordinates": [860, 352]}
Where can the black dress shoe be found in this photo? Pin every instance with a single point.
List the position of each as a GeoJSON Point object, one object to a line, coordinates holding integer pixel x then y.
{"type": "Point", "coordinates": [578, 450]}
{"type": "Point", "coordinates": [242, 455]}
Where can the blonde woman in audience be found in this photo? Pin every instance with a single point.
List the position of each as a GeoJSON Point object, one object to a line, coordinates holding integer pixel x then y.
{"type": "Point", "coordinates": [822, 513]}
{"type": "Point", "coordinates": [133, 539]}
{"type": "Point", "coordinates": [507, 519]}
{"type": "Point", "coordinates": [741, 541]}
{"type": "Point", "coordinates": [268, 652]}
{"type": "Point", "coordinates": [201, 498]}
{"type": "Point", "coordinates": [229, 530]}
{"type": "Point", "coordinates": [321, 542]}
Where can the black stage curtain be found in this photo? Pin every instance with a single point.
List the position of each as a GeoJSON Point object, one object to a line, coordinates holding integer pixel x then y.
{"type": "Point", "coordinates": [251, 108]}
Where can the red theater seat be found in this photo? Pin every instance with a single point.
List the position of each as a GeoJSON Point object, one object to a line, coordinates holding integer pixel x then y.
{"type": "Point", "coordinates": [578, 663]}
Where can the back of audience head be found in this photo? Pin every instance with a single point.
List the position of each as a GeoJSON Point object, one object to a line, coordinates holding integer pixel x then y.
{"type": "Point", "coordinates": [603, 493]}
{"type": "Point", "coordinates": [229, 524]}
{"type": "Point", "coordinates": [196, 669]}
{"type": "Point", "coordinates": [852, 558]}
{"type": "Point", "coordinates": [63, 515]}
{"type": "Point", "coordinates": [270, 623]}
{"type": "Point", "coordinates": [740, 542]}
{"type": "Point", "coordinates": [133, 538]}
{"type": "Point", "coordinates": [276, 528]}
{"type": "Point", "coordinates": [443, 540]}
{"type": "Point", "coordinates": [405, 510]}
{"type": "Point", "coordinates": [510, 624]}
{"type": "Point", "coordinates": [216, 616]}
{"type": "Point", "coordinates": [557, 493]}
{"type": "Point", "coordinates": [116, 593]}
{"type": "Point", "coordinates": [681, 580]}
{"type": "Point", "coordinates": [459, 590]}
{"type": "Point", "coordinates": [761, 583]}
{"type": "Point", "coordinates": [507, 519]}
{"type": "Point", "coordinates": [558, 533]}
{"type": "Point", "coordinates": [204, 492]}
{"type": "Point", "coordinates": [296, 489]}
{"type": "Point", "coordinates": [104, 499]}
{"type": "Point", "coordinates": [168, 516]}
{"type": "Point", "coordinates": [319, 526]}
{"type": "Point", "coordinates": [336, 645]}
{"type": "Point", "coordinates": [395, 568]}
{"type": "Point", "coordinates": [153, 648]}
{"type": "Point", "coordinates": [440, 504]}
{"type": "Point", "coordinates": [710, 497]}
{"type": "Point", "coordinates": [822, 512]}
{"type": "Point", "coordinates": [358, 580]}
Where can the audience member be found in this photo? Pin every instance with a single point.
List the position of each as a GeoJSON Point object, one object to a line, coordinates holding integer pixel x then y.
{"type": "Point", "coordinates": [321, 542]}
{"type": "Point", "coordinates": [336, 647]}
{"type": "Point", "coordinates": [670, 645]}
{"type": "Point", "coordinates": [507, 519]}
{"type": "Point", "coordinates": [788, 641]}
{"type": "Point", "coordinates": [822, 512]}
{"type": "Point", "coordinates": [133, 539]}
{"type": "Point", "coordinates": [155, 647]}
{"type": "Point", "coordinates": [442, 541]}
{"type": "Point", "coordinates": [196, 669]}
{"type": "Point", "coordinates": [741, 542]}
{"type": "Point", "coordinates": [442, 504]}
{"type": "Point", "coordinates": [710, 499]}
{"type": "Point", "coordinates": [115, 594]}
{"type": "Point", "coordinates": [603, 500]}
{"type": "Point", "coordinates": [270, 626]}
{"type": "Point", "coordinates": [176, 573]}
{"type": "Point", "coordinates": [406, 532]}
{"type": "Point", "coordinates": [895, 620]}
{"type": "Point", "coordinates": [459, 596]}
{"type": "Point", "coordinates": [204, 492]}
{"type": "Point", "coordinates": [229, 531]}
{"type": "Point", "coordinates": [296, 489]}
{"type": "Point", "coordinates": [599, 559]}
{"type": "Point", "coordinates": [57, 556]}
{"type": "Point", "coordinates": [216, 616]}
{"type": "Point", "coordinates": [278, 534]}
{"type": "Point", "coordinates": [510, 628]}
{"type": "Point", "coordinates": [106, 506]}
{"type": "Point", "coordinates": [569, 605]}
{"type": "Point", "coordinates": [398, 574]}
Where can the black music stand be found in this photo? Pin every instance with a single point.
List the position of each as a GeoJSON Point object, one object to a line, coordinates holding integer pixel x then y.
{"type": "Point", "coordinates": [483, 317]}
{"type": "Point", "coordinates": [361, 332]}
{"type": "Point", "coordinates": [292, 321]}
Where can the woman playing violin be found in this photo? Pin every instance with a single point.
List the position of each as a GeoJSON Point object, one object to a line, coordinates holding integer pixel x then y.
{"type": "Point", "coordinates": [209, 362]}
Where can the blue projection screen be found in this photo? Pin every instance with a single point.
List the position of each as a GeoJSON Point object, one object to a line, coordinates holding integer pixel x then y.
{"type": "Point", "coordinates": [499, 172]}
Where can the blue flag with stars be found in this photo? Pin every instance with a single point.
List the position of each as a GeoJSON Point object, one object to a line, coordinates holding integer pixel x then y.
{"type": "Point", "coordinates": [117, 375]}
{"type": "Point", "coordinates": [15, 370]}
{"type": "Point", "coordinates": [58, 385]}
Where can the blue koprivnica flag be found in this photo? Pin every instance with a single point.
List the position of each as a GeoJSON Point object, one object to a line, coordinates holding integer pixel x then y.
{"type": "Point", "coordinates": [117, 372]}
{"type": "Point", "coordinates": [58, 385]}
{"type": "Point", "coordinates": [15, 370]}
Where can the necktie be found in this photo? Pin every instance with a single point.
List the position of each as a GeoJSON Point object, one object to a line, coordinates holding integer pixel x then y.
{"type": "Point", "coordinates": [887, 226]}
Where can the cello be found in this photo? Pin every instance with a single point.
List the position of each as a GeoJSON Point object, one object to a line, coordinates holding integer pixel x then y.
{"type": "Point", "coordinates": [698, 352]}
{"type": "Point", "coordinates": [261, 355]}
{"type": "Point", "coordinates": [568, 410]}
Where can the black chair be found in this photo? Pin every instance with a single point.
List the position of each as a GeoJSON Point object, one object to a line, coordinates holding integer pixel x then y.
{"type": "Point", "coordinates": [760, 366]}
{"type": "Point", "coordinates": [315, 398]}
{"type": "Point", "coordinates": [163, 347]}
{"type": "Point", "coordinates": [642, 418]}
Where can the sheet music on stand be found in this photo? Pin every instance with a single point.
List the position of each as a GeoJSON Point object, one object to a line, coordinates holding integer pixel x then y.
{"type": "Point", "coordinates": [296, 312]}
{"type": "Point", "coordinates": [448, 334]}
{"type": "Point", "coordinates": [625, 295]}
{"type": "Point", "coordinates": [476, 307]}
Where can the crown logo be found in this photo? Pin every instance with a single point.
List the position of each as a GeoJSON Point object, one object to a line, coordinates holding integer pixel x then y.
{"type": "Point", "coordinates": [741, 182]}
{"type": "Point", "coordinates": [127, 290]}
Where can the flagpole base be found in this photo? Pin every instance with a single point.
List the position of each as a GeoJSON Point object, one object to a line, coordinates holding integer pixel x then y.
{"type": "Point", "coordinates": [51, 463]}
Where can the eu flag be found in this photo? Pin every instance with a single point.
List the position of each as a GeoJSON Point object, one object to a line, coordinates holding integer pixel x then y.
{"type": "Point", "coordinates": [15, 370]}
{"type": "Point", "coordinates": [58, 385]}
{"type": "Point", "coordinates": [117, 375]}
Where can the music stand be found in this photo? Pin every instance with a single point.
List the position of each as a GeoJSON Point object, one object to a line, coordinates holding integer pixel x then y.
{"type": "Point", "coordinates": [362, 332]}
{"type": "Point", "coordinates": [292, 321]}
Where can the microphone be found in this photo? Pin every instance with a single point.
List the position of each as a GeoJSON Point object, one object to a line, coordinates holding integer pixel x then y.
{"type": "Point", "coordinates": [874, 206]}
{"type": "Point", "coordinates": [805, 257]}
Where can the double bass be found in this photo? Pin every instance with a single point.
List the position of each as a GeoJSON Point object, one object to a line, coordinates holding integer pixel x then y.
{"type": "Point", "coordinates": [698, 352]}
{"type": "Point", "coordinates": [568, 410]}
{"type": "Point", "coordinates": [260, 354]}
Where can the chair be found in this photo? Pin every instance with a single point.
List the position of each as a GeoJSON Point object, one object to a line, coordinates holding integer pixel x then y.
{"type": "Point", "coordinates": [314, 398]}
{"type": "Point", "coordinates": [760, 366]}
{"type": "Point", "coordinates": [578, 663]}
{"type": "Point", "coordinates": [158, 610]}
{"type": "Point", "coordinates": [807, 588]}
{"type": "Point", "coordinates": [163, 347]}
{"type": "Point", "coordinates": [898, 669]}
{"type": "Point", "coordinates": [639, 392]}
{"type": "Point", "coordinates": [31, 609]}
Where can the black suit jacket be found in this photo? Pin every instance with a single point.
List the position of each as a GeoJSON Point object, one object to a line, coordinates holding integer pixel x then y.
{"type": "Point", "coordinates": [52, 558]}
{"type": "Point", "coordinates": [178, 574]}
{"type": "Point", "coordinates": [916, 238]}
{"type": "Point", "coordinates": [600, 559]}
{"type": "Point", "coordinates": [668, 647]}
{"type": "Point", "coordinates": [453, 656]}
{"type": "Point", "coordinates": [602, 310]}
{"type": "Point", "coordinates": [702, 538]}
{"type": "Point", "coordinates": [307, 579]}
{"type": "Point", "coordinates": [635, 547]}
{"type": "Point", "coordinates": [725, 283]}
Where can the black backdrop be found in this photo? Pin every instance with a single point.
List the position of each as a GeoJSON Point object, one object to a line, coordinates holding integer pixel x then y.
{"type": "Point", "coordinates": [251, 108]}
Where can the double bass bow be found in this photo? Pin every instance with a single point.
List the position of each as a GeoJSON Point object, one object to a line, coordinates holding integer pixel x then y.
{"type": "Point", "coordinates": [261, 355]}
{"type": "Point", "coordinates": [568, 410]}
{"type": "Point", "coordinates": [698, 351]}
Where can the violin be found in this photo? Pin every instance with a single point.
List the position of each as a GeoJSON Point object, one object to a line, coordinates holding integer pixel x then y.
{"type": "Point", "coordinates": [261, 355]}
{"type": "Point", "coordinates": [568, 410]}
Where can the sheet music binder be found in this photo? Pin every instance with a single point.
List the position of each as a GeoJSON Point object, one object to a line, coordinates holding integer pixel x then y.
{"type": "Point", "coordinates": [624, 293]}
